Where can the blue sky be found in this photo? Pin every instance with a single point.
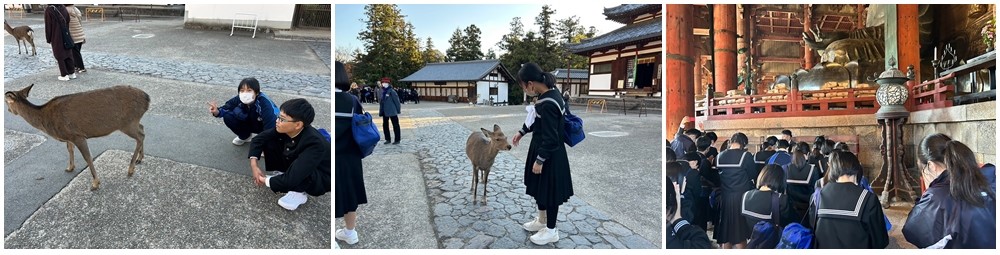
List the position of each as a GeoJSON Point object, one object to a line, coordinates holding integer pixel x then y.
{"type": "Point", "coordinates": [439, 21]}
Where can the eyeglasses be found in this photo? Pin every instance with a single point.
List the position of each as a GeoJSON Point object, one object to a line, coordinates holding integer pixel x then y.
{"type": "Point", "coordinates": [283, 119]}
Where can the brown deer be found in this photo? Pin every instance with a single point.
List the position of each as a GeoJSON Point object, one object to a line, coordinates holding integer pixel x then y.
{"type": "Point", "coordinates": [482, 148]}
{"type": "Point", "coordinates": [22, 33]}
{"type": "Point", "coordinates": [75, 117]}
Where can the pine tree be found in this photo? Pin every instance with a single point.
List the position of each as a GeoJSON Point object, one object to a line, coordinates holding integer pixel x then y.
{"type": "Point", "coordinates": [457, 49]}
{"type": "Point", "coordinates": [432, 55]}
{"type": "Point", "coordinates": [391, 48]}
{"type": "Point", "coordinates": [472, 44]}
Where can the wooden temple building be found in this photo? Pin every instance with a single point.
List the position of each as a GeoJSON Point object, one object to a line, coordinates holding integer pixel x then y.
{"type": "Point", "coordinates": [626, 61]}
{"type": "Point", "coordinates": [809, 68]}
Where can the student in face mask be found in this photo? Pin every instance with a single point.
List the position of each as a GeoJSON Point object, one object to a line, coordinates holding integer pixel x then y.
{"type": "Point", "coordinates": [250, 112]}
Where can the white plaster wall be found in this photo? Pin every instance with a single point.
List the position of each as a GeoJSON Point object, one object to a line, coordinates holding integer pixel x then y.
{"type": "Point", "coordinates": [600, 82]}
{"type": "Point", "coordinates": [277, 16]}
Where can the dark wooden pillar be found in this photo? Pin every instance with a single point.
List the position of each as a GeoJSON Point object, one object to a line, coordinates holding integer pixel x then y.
{"type": "Point", "coordinates": [807, 24]}
{"type": "Point", "coordinates": [725, 46]}
{"type": "Point", "coordinates": [679, 65]}
{"type": "Point", "coordinates": [908, 40]}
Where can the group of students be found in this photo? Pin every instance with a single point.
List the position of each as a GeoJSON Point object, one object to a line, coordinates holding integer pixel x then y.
{"type": "Point", "coordinates": [823, 188]}
{"type": "Point", "coordinates": [547, 176]}
{"type": "Point", "coordinates": [367, 95]}
{"type": "Point", "coordinates": [297, 154]}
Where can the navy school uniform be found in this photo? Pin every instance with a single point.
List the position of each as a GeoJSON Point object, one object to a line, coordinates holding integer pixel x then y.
{"type": "Point", "coordinates": [682, 235]}
{"type": "Point", "coordinates": [757, 207]}
{"type": "Point", "coordinates": [848, 217]}
{"type": "Point", "coordinates": [938, 214]}
{"type": "Point", "coordinates": [760, 159]}
{"type": "Point", "coordinates": [800, 184]}
{"type": "Point", "coordinates": [735, 168]}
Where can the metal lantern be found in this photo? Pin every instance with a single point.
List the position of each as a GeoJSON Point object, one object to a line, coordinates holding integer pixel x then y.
{"type": "Point", "coordinates": [892, 92]}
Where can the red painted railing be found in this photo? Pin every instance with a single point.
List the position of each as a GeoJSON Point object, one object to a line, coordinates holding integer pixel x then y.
{"type": "Point", "coordinates": [795, 104]}
{"type": "Point", "coordinates": [933, 94]}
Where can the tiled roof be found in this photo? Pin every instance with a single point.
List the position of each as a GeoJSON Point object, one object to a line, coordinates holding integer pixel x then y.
{"type": "Point", "coordinates": [626, 12]}
{"type": "Point", "coordinates": [643, 30]}
{"type": "Point", "coordinates": [457, 71]}
{"type": "Point", "coordinates": [573, 73]}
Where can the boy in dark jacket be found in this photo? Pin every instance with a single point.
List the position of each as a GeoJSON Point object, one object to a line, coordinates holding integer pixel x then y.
{"type": "Point", "coordinates": [297, 151]}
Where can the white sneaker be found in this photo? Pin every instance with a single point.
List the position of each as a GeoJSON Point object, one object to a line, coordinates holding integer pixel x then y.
{"type": "Point", "coordinates": [63, 78]}
{"type": "Point", "coordinates": [237, 141]}
{"type": "Point", "coordinates": [545, 236]}
{"type": "Point", "coordinates": [349, 238]}
{"type": "Point", "coordinates": [534, 225]}
{"type": "Point", "coordinates": [72, 76]}
{"type": "Point", "coordinates": [292, 200]}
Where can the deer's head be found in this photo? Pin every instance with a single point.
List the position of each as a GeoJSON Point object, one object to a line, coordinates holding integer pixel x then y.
{"type": "Point", "coordinates": [17, 99]}
{"type": "Point", "coordinates": [498, 140]}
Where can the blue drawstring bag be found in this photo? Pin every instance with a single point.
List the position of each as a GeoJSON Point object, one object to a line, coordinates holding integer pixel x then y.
{"type": "Point", "coordinates": [364, 130]}
{"type": "Point", "coordinates": [795, 236]}
{"type": "Point", "coordinates": [324, 133]}
{"type": "Point", "coordinates": [573, 125]}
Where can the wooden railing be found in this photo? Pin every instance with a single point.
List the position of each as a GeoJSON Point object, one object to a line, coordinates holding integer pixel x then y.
{"type": "Point", "coordinates": [941, 92]}
{"type": "Point", "coordinates": [796, 104]}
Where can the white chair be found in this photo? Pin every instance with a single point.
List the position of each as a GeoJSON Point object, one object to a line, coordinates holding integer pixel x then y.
{"type": "Point", "coordinates": [244, 20]}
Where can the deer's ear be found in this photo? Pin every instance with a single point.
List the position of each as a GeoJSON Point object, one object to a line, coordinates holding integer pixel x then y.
{"type": "Point", "coordinates": [25, 91]}
{"type": "Point", "coordinates": [496, 128]}
{"type": "Point", "coordinates": [487, 133]}
{"type": "Point", "coordinates": [9, 97]}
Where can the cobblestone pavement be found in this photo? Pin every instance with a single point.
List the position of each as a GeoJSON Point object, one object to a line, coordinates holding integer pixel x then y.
{"type": "Point", "coordinates": [322, 50]}
{"type": "Point", "coordinates": [439, 144]}
{"type": "Point", "coordinates": [17, 66]}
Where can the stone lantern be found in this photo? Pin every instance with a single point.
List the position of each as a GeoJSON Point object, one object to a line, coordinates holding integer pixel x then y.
{"type": "Point", "coordinates": [891, 116]}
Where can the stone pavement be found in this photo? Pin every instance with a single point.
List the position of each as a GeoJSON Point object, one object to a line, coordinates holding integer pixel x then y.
{"type": "Point", "coordinates": [438, 141]}
{"type": "Point", "coordinates": [163, 207]}
{"type": "Point", "coordinates": [209, 57]}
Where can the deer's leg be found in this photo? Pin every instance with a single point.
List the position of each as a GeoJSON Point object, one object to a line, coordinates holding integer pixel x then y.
{"type": "Point", "coordinates": [19, 46]}
{"type": "Point", "coordinates": [32, 41]}
{"type": "Point", "coordinates": [136, 133]}
{"type": "Point", "coordinates": [81, 143]}
{"type": "Point", "coordinates": [142, 144]}
{"type": "Point", "coordinates": [72, 166]}
{"type": "Point", "coordinates": [475, 182]}
{"type": "Point", "coordinates": [486, 182]}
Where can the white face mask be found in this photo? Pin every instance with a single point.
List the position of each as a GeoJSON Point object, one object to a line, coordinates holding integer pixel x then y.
{"type": "Point", "coordinates": [246, 97]}
{"type": "Point", "coordinates": [385, 85]}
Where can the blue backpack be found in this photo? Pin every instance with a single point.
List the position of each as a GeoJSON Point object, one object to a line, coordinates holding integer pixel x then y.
{"type": "Point", "coordinates": [363, 128]}
{"type": "Point", "coordinates": [795, 236]}
{"type": "Point", "coordinates": [766, 234]}
{"type": "Point", "coordinates": [573, 125]}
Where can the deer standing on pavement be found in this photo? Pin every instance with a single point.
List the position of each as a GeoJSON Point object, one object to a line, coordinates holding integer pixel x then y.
{"type": "Point", "coordinates": [75, 117]}
{"type": "Point", "coordinates": [482, 148]}
{"type": "Point", "coordinates": [22, 33]}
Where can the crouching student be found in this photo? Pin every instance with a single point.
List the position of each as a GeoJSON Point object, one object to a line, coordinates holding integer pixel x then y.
{"type": "Point", "coordinates": [297, 151]}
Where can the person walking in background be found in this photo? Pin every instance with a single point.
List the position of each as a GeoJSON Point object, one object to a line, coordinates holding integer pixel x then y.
{"type": "Point", "coordinates": [389, 109]}
{"type": "Point", "coordinates": [56, 23]}
{"type": "Point", "coordinates": [350, 179]}
{"type": "Point", "coordinates": [958, 210]}
{"type": "Point", "coordinates": [547, 170]}
{"type": "Point", "coordinates": [76, 31]}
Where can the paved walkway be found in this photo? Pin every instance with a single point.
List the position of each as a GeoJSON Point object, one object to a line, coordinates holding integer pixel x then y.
{"type": "Point", "coordinates": [437, 141]}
